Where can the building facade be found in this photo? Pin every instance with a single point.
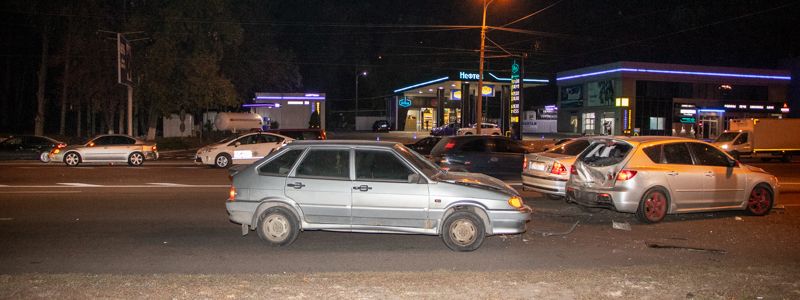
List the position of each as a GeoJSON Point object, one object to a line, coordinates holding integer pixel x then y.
{"type": "Point", "coordinates": [289, 110]}
{"type": "Point", "coordinates": [666, 99]}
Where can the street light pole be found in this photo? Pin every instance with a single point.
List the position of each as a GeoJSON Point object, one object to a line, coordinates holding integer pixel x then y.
{"type": "Point", "coordinates": [358, 74]}
{"type": "Point", "coordinates": [479, 98]}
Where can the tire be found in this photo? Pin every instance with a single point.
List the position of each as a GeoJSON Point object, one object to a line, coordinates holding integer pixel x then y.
{"type": "Point", "coordinates": [135, 159]}
{"type": "Point", "coordinates": [223, 160]}
{"type": "Point", "coordinates": [554, 197]}
{"type": "Point", "coordinates": [468, 133]}
{"type": "Point", "coordinates": [463, 231]}
{"type": "Point", "coordinates": [653, 207]}
{"type": "Point", "coordinates": [44, 157]}
{"type": "Point", "coordinates": [760, 201]}
{"type": "Point", "coordinates": [495, 133]}
{"type": "Point", "coordinates": [72, 159]}
{"type": "Point", "coordinates": [278, 227]}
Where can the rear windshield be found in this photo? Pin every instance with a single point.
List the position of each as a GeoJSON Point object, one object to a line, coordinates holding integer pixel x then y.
{"type": "Point", "coordinates": [573, 148]}
{"type": "Point", "coordinates": [439, 148]}
{"type": "Point", "coordinates": [605, 153]}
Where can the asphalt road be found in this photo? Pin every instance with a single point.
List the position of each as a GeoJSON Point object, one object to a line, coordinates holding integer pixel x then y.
{"type": "Point", "coordinates": [169, 217]}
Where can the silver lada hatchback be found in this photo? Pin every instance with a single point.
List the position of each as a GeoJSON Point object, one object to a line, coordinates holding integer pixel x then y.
{"type": "Point", "coordinates": [363, 186]}
{"type": "Point", "coordinates": [656, 176]}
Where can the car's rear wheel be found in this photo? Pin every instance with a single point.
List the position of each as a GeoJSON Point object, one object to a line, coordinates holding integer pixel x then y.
{"type": "Point", "coordinates": [760, 201]}
{"type": "Point", "coordinates": [468, 133]}
{"type": "Point", "coordinates": [278, 227]}
{"type": "Point", "coordinates": [44, 157]}
{"type": "Point", "coordinates": [463, 231]}
{"type": "Point", "coordinates": [653, 206]}
{"type": "Point", "coordinates": [72, 159]}
{"type": "Point", "coordinates": [135, 159]}
{"type": "Point", "coordinates": [223, 160]}
{"type": "Point", "coordinates": [495, 133]}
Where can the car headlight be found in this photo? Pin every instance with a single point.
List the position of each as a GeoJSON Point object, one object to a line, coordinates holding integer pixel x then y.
{"type": "Point", "coordinates": [725, 146]}
{"type": "Point", "coordinates": [516, 202]}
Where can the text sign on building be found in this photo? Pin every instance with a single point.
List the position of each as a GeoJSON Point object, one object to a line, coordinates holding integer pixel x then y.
{"type": "Point", "coordinates": [515, 81]}
{"type": "Point", "coordinates": [468, 76]}
{"type": "Point", "coordinates": [404, 103]}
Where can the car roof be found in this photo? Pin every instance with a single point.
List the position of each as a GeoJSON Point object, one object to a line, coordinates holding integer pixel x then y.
{"type": "Point", "coordinates": [647, 139]}
{"type": "Point", "coordinates": [344, 143]}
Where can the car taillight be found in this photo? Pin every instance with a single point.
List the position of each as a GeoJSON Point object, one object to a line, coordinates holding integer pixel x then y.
{"type": "Point", "coordinates": [450, 145]}
{"type": "Point", "coordinates": [625, 175]}
{"type": "Point", "coordinates": [525, 163]}
{"type": "Point", "coordinates": [59, 146]}
{"type": "Point", "coordinates": [232, 194]}
{"type": "Point", "coordinates": [559, 169]}
{"type": "Point", "coordinates": [324, 136]}
{"type": "Point", "coordinates": [154, 148]}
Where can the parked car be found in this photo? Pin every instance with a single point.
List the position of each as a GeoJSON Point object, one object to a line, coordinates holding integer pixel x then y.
{"type": "Point", "coordinates": [241, 149]}
{"type": "Point", "coordinates": [302, 134]}
{"type": "Point", "coordinates": [547, 172]}
{"type": "Point", "coordinates": [496, 156]}
{"type": "Point", "coordinates": [391, 190]}
{"type": "Point", "coordinates": [446, 129]}
{"type": "Point", "coordinates": [486, 129]}
{"type": "Point", "coordinates": [107, 148]}
{"type": "Point", "coordinates": [381, 126]}
{"type": "Point", "coordinates": [424, 146]}
{"type": "Point", "coordinates": [28, 147]}
{"type": "Point", "coordinates": [656, 176]}
{"type": "Point", "coordinates": [555, 143]}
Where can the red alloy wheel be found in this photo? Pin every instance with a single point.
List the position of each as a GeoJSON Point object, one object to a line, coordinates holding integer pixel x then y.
{"type": "Point", "coordinates": [759, 201]}
{"type": "Point", "coordinates": [655, 206]}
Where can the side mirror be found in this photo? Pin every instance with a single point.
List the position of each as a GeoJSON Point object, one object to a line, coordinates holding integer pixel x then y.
{"type": "Point", "coordinates": [732, 163]}
{"type": "Point", "coordinates": [414, 178]}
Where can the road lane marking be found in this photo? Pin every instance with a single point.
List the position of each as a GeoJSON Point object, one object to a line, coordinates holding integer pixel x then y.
{"type": "Point", "coordinates": [77, 184]}
{"type": "Point", "coordinates": [38, 192]}
{"type": "Point", "coordinates": [167, 184]}
{"type": "Point", "coordinates": [6, 219]}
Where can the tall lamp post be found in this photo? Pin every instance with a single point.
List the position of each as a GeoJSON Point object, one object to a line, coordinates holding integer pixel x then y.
{"type": "Point", "coordinates": [358, 74]}
{"type": "Point", "coordinates": [479, 99]}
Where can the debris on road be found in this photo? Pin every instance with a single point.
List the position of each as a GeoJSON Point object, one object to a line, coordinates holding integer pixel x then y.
{"type": "Point", "coordinates": [551, 233]}
{"type": "Point", "coordinates": [621, 225]}
{"type": "Point", "coordinates": [667, 246]}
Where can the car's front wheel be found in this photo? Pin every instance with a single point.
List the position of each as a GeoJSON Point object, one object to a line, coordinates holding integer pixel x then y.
{"type": "Point", "coordinates": [278, 227]}
{"type": "Point", "coordinates": [223, 160]}
{"type": "Point", "coordinates": [760, 201]}
{"type": "Point", "coordinates": [72, 159]}
{"type": "Point", "coordinates": [463, 231]}
{"type": "Point", "coordinates": [135, 159]}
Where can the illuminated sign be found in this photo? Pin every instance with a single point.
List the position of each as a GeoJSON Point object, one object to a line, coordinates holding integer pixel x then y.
{"type": "Point", "coordinates": [404, 103]}
{"type": "Point", "coordinates": [785, 108]}
{"type": "Point", "coordinates": [488, 90]}
{"type": "Point", "coordinates": [756, 107]}
{"type": "Point", "coordinates": [622, 102]}
{"type": "Point", "coordinates": [730, 105]}
{"type": "Point", "coordinates": [688, 111]}
{"type": "Point", "coordinates": [455, 94]}
{"type": "Point", "coordinates": [515, 92]}
{"type": "Point", "coordinates": [469, 76]}
{"type": "Point", "coordinates": [688, 120]}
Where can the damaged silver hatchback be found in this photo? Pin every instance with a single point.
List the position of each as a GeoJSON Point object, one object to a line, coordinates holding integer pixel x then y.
{"type": "Point", "coordinates": [656, 176]}
{"type": "Point", "coordinates": [363, 186]}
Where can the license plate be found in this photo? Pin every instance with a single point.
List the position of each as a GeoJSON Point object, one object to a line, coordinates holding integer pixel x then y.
{"type": "Point", "coordinates": [538, 166]}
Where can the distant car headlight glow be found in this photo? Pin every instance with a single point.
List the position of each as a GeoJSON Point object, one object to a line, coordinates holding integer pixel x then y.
{"type": "Point", "coordinates": [725, 146]}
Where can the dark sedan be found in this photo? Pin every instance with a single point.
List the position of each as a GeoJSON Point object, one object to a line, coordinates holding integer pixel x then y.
{"type": "Point", "coordinates": [27, 147]}
{"type": "Point", "coordinates": [424, 146]}
{"type": "Point", "coordinates": [446, 129]}
{"type": "Point", "coordinates": [496, 156]}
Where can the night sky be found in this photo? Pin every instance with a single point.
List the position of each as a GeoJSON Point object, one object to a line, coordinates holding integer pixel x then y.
{"type": "Point", "coordinates": [403, 42]}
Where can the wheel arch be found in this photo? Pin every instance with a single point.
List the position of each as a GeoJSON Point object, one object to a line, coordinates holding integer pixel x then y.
{"type": "Point", "coordinates": [470, 206]}
{"type": "Point", "coordinates": [268, 203]}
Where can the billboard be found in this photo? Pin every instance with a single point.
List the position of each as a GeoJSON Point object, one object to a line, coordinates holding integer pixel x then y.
{"type": "Point", "coordinates": [600, 93]}
{"type": "Point", "coordinates": [572, 96]}
{"type": "Point", "coordinates": [124, 56]}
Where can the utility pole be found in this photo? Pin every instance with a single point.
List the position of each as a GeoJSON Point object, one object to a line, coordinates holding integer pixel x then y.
{"type": "Point", "coordinates": [479, 105]}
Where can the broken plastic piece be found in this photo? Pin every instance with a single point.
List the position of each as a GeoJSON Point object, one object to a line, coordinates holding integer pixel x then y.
{"type": "Point", "coordinates": [621, 225]}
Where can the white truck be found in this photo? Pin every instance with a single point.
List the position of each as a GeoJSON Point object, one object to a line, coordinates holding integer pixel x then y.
{"type": "Point", "coordinates": [761, 138]}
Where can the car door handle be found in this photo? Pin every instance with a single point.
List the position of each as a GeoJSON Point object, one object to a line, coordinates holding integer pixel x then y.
{"type": "Point", "coordinates": [296, 185]}
{"type": "Point", "coordinates": [672, 173]}
{"type": "Point", "coordinates": [362, 188]}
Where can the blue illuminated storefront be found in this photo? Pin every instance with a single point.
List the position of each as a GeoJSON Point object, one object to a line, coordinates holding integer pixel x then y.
{"type": "Point", "coordinates": [665, 99]}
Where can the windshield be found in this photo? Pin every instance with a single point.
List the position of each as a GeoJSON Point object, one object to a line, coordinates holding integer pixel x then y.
{"type": "Point", "coordinates": [726, 137]}
{"type": "Point", "coordinates": [425, 166]}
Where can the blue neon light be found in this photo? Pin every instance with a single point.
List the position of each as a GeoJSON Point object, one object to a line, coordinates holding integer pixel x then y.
{"type": "Point", "coordinates": [290, 98]}
{"type": "Point", "coordinates": [676, 72]}
{"type": "Point", "coordinates": [421, 84]}
{"type": "Point", "coordinates": [525, 80]}
{"type": "Point", "coordinates": [404, 102]}
{"type": "Point", "coordinates": [711, 110]}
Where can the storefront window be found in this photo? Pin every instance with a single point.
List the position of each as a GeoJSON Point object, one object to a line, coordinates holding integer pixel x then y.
{"type": "Point", "coordinates": [588, 123]}
{"type": "Point", "coordinates": [656, 123]}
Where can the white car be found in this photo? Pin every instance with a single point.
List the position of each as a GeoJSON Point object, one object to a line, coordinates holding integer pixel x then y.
{"type": "Point", "coordinates": [486, 129]}
{"type": "Point", "coordinates": [242, 149]}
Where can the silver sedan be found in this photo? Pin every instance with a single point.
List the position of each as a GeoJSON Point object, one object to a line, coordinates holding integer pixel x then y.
{"type": "Point", "coordinates": [656, 176]}
{"type": "Point", "coordinates": [362, 186]}
{"type": "Point", "coordinates": [107, 148]}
